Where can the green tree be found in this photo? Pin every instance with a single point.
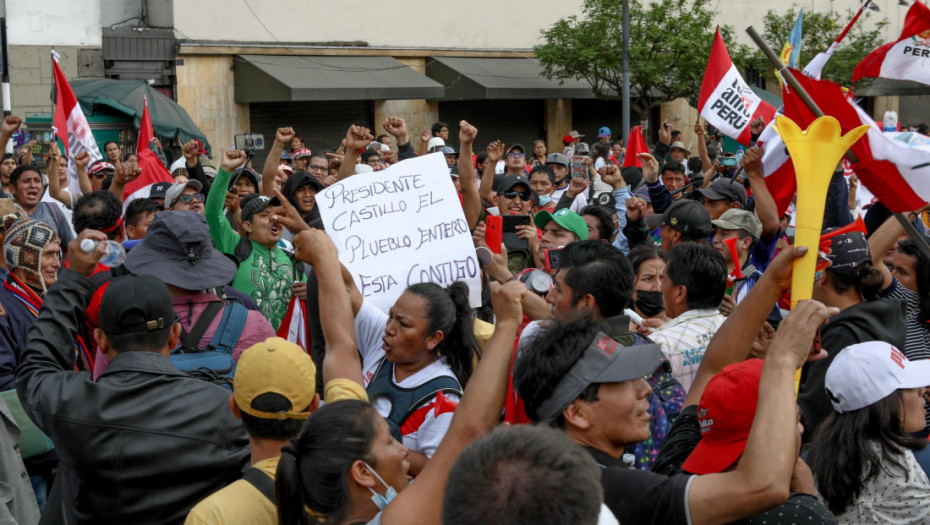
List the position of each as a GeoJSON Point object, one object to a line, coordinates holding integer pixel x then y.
{"type": "Point", "coordinates": [670, 42]}
{"type": "Point", "coordinates": [818, 32]}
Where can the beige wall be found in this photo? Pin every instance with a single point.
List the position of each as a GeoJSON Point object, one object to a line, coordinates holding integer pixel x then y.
{"type": "Point", "coordinates": [484, 24]}
{"type": "Point", "coordinates": [31, 76]}
{"type": "Point", "coordinates": [205, 90]}
{"type": "Point", "coordinates": [683, 116]}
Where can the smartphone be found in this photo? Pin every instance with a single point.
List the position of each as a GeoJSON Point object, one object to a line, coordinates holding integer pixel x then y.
{"type": "Point", "coordinates": [509, 232]}
{"type": "Point", "coordinates": [493, 234]}
{"type": "Point", "coordinates": [250, 142]}
{"type": "Point", "coordinates": [579, 167]}
{"type": "Point", "coordinates": [729, 162]}
{"type": "Point", "coordinates": [553, 258]}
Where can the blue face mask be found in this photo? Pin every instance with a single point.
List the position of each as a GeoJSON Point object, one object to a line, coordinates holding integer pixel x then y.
{"type": "Point", "coordinates": [545, 199]}
{"type": "Point", "coordinates": [389, 494]}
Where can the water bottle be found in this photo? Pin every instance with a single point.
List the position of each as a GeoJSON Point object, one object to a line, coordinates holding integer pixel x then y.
{"type": "Point", "coordinates": [739, 156]}
{"type": "Point", "coordinates": [115, 254]}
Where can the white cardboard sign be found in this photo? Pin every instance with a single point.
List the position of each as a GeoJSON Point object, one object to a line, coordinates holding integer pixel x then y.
{"type": "Point", "coordinates": [401, 226]}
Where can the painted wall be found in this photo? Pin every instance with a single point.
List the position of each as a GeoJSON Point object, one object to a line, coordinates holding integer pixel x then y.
{"type": "Point", "coordinates": [54, 22]}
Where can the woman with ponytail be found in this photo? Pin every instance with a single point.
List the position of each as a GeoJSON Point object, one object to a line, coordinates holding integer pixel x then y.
{"type": "Point", "coordinates": [345, 467]}
{"type": "Point", "coordinates": [852, 284]}
{"type": "Point", "coordinates": [416, 360]}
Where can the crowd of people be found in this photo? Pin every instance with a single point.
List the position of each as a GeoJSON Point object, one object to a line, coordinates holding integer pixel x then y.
{"type": "Point", "coordinates": [633, 359]}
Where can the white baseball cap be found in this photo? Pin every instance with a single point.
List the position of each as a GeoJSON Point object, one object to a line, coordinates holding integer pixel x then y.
{"type": "Point", "coordinates": [865, 373]}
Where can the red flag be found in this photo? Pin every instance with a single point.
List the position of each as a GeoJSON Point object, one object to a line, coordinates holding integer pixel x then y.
{"type": "Point", "coordinates": [636, 144]}
{"type": "Point", "coordinates": [726, 101]}
{"type": "Point", "coordinates": [294, 325]}
{"type": "Point", "coordinates": [777, 168]}
{"type": "Point", "coordinates": [893, 166]}
{"type": "Point", "coordinates": [71, 126]}
{"type": "Point", "coordinates": [152, 169]}
{"type": "Point", "coordinates": [908, 57]}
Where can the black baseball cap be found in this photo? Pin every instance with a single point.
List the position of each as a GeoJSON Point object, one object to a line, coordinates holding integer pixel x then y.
{"type": "Point", "coordinates": [254, 203]}
{"type": "Point", "coordinates": [510, 181]}
{"type": "Point", "coordinates": [159, 190]}
{"type": "Point", "coordinates": [724, 188]}
{"type": "Point", "coordinates": [686, 216]}
{"type": "Point", "coordinates": [136, 304]}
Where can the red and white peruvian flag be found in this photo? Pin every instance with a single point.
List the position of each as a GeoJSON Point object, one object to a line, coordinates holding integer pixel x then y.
{"type": "Point", "coordinates": [907, 58]}
{"type": "Point", "coordinates": [71, 126]}
{"type": "Point", "coordinates": [894, 166]}
{"type": "Point", "coordinates": [777, 168]}
{"type": "Point", "coordinates": [294, 325]}
{"type": "Point", "coordinates": [727, 102]}
{"type": "Point", "coordinates": [152, 169]}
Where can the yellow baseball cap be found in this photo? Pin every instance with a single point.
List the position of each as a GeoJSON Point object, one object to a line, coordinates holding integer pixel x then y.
{"type": "Point", "coordinates": [275, 366]}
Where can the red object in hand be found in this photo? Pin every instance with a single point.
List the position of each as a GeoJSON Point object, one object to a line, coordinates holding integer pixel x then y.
{"type": "Point", "coordinates": [731, 244]}
{"type": "Point", "coordinates": [494, 232]}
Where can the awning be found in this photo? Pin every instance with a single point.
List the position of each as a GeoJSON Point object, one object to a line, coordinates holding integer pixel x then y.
{"type": "Point", "coordinates": [500, 78]}
{"type": "Point", "coordinates": [169, 119]}
{"type": "Point", "coordinates": [270, 78]}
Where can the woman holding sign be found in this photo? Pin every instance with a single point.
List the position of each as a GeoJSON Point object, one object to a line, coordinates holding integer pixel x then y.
{"type": "Point", "coordinates": [416, 360]}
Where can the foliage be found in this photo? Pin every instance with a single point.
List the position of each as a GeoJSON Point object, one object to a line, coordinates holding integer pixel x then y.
{"type": "Point", "coordinates": [819, 31]}
{"type": "Point", "coordinates": [670, 42]}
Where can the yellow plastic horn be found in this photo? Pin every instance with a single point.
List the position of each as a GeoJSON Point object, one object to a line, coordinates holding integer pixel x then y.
{"type": "Point", "coordinates": [815, 153]}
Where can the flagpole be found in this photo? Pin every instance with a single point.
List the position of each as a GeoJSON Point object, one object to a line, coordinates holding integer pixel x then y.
{"type": "Point", "coordinates": [811, 105]}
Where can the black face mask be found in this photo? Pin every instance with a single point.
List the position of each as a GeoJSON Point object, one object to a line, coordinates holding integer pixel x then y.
{"type": "Point", "coordinates": [649, 303]}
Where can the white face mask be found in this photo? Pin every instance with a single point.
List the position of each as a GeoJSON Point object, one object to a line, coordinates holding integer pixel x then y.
{"type": "Point", "coordinates": [544, 199]}
{"type": "Point", "coordinates": [389, 494]}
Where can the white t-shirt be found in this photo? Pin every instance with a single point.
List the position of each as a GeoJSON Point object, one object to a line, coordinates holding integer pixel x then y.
{"type": "Point", "coordinates": [424, 430]}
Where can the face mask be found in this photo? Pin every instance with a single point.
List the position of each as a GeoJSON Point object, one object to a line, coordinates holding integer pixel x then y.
{"type": "Point", "coordinates": [545, 199]}
{"type": "Point", "coordinates": [389, 494]}
{"type": "Point", "coordinates": [649, 303]}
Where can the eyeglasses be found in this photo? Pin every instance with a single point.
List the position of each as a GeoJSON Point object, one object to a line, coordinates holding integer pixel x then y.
{"type": "Point", "coordinates": [187, 199]}
{"type": "Point", "coordinates": [98, 175]}
{"type": "Point", "coordinates": [524, 195]}
{"type": "Point", "coordinates": [317, 167]}
{"type": "Point", "coordinates": [515, 155]}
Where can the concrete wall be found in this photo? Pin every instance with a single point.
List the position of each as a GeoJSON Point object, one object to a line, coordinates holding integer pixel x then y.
{"type": "Point", "coordinates": [205, 90]}
{"type": "Point", "coordinates": [486, 24]}
{"type": "Point", "coordinates": [54, 23]}
{"type": "Point", "coordinates": [683, 116]}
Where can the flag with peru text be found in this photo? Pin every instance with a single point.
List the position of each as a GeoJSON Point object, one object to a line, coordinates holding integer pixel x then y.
{"type": "Point", "coordinates": [726, 101]}
{"type": "Point", "coordinates": [71, 126]}
{"type": "Point", "coordinates": [907, 58]}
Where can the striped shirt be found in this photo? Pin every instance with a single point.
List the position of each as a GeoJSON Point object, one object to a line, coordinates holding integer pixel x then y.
{"type": "Point", "coordinates": [917, 345]}
{"type": "Point", "coordinates": [684, 340]}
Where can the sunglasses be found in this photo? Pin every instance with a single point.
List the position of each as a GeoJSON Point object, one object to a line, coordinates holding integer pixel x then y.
{"type": "Point", "coordinates": [98, 175]}
{"type": "Point", "coordinates": [187, 199]}
{"type": "Point", "coordinates": [524, 195]}
{"type": "Point", "coordinates": [515, 155]}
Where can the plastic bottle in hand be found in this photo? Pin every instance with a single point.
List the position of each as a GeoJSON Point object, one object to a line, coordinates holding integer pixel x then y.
{"type": "Point", "coordinates": [115, 254]}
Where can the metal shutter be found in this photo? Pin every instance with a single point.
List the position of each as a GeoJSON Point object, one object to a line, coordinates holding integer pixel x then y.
{"type": "Point", "coordinates": [512, 121]}
{"type": "Point", "coordinates": [322, 125]}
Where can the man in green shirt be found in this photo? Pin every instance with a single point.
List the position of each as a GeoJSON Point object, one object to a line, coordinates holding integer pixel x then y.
{"type": "Point", "coordinates": [266, 272]}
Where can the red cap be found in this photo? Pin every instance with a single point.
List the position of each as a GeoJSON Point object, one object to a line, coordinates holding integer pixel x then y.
{"type": "Point", "coordinates": [725, 413]}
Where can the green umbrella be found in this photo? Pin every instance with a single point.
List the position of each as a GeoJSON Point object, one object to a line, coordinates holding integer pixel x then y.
{"type": "Point", "coordinates": [169, 119]}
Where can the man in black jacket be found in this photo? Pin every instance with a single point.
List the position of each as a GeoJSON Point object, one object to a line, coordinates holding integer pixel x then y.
{"type": "Point", "coordinates": [145, 442]}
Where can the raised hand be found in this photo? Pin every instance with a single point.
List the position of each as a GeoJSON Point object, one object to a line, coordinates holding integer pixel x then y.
{"type": "Point", "coordinates": [284, 135]}
{"type": "Point", "coordinates": [232, 159]}
{"type": "Point", "coordinates": [467, 133]}
{"type": "Point", "coordinates": [496, 151]}
{"type": "Point", "coordinates": [11, 123]}
{"type": "Point", "coordinates": [357, 138]}
{"type": "Point", "coordinates": [650, 167]}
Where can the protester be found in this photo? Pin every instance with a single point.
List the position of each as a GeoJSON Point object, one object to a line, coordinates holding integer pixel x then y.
{"type": "Point", "coordinates": [185, 196]}
{"type": "Point", "coordinates": [853, 285]}
{"type": "Point", "coordinates": [266, 273]}
{"type": "Point", "coordinates": [649, 275]}
{"type": "Point", "coordinates": [138, 217]}
{"type": "Point", "coordinates": [26, 189]}
{"type": "Point", "coordinates": [114, 436]}
{"type": "Point", "coordinates": [523, 475]}
{"type": "Point", "coordinates": [31, 251]}
{"type": "Point", "coordinates": [694, 284]}
{"type": "Point", "coordinates": [273, 394]}
{"type": "Point", "coordinates": [862, 456]}
{"type": "Point", "coordinates": [178, 250]}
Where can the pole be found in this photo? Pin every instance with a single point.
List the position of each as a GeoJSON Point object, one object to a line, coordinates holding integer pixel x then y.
{"type": "Point", "coordinates": [5, 79]}
{"type": "Point", "coordinates": [811, 105]}
{"type": "Point", "coordinates": [626, 72]}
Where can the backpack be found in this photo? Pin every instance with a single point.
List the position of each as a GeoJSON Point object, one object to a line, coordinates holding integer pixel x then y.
{"type": "Point", "coordinates": [214, 362]}
{"type": "Point", "coordinates": [406, 401]}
